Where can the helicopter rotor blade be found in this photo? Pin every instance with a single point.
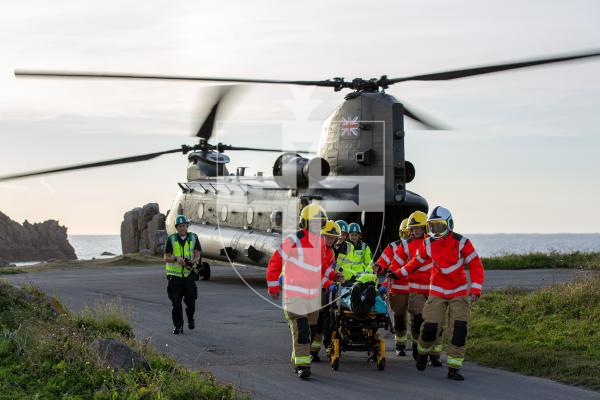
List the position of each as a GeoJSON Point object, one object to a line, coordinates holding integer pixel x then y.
{"type": "Point", "coordinates": [488, 69]}
{"type": "Point", "coordinates": [115, 161]}
{"type": "Point", "coordinates": [222, 147]}
{"type": "Point", "coordinates": [100, 75]}
{"type": "Point", "coordinates": [428, 122]}
{"type": "Point", "coordinates": [206, 129]}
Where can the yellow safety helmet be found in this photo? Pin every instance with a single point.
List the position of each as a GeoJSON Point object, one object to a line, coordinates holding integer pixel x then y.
{"type": "Point", "coordinates": [331, 228]}
{"type": "Point", "coordinates": [403, 231]}
{"type": "Point", "coordinates": [312, 212]}
{"type": "Point", "coordinates": [418, 218]}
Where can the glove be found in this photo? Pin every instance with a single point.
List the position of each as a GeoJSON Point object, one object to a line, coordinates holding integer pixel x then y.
{"type": "Point", "coordinates": [382, 290]}
{"type": "Point", "coordinates": [332, 288]}
{"type": "Point", "coordinates": [391, 274]}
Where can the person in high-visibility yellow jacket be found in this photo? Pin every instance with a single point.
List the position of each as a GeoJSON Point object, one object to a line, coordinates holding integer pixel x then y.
{"type": "Point", "coordinates": [182, 250]}
{"type": "Point", "coordinates": [360, 271]}
{"type": "Point", "coordinates": [360, 258]}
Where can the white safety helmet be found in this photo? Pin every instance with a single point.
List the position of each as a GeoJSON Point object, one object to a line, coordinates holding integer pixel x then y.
{"type": "Point", "coordinates": [440, 222]}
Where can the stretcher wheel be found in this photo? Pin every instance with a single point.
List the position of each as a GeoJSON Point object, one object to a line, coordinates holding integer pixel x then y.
{"type": "Point", "coordinates": [335, 364]}
{"type": "Point", "coordinates": [381, 364]}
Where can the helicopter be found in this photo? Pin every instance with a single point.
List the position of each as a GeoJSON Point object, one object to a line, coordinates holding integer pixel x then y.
{"type": "Point", "coordinates": [360, 173]}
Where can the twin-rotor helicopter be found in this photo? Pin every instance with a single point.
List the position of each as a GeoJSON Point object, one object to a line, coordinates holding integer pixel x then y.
{"type": "Point", "coordinates": [360, 173]}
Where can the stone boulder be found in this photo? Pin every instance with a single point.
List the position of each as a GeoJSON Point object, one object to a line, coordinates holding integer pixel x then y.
{"type": "Point", "coordinates": [119, 356]}
{"type": "Point", "coordinates": [34, 242]}
{"type": "Point", "coordinates": [156, 240]}
{"type": "Point", "coordinates": [140, 230]}
{"type": "Point", "coordinates": [130, 234]}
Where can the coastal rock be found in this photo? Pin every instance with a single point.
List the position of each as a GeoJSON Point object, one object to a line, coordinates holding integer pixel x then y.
{"type": "Point", "coordinates": [140, 230]}
{"type": "Point", "coordinates": [4, 263]}
{"type": "Point", "coordinates": [117, 355]}
{"type": "Point", "coordinates": [130, 234]}
{"type": "Point", "coordinates": [156, 241]}
{"type": "Point", "coordinates": [107, 253]}
{"type": "Point", "coordinates": [33, 242]}
{"type": "Point", "coordinates": [160, 238]}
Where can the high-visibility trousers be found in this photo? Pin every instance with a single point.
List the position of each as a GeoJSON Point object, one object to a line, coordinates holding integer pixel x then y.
{"type": "Point", "coordinates": [300, 328]}
{"type": "Point", "coordinates": [434, 313]}
{"type": "Point", "coordinates": [399, 305]}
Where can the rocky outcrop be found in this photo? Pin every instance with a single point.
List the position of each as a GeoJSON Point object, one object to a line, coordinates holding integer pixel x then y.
{"type": "Point", "coordinates": [34, 242]}
{"type": "Point", "coordinates": [117, 355]}
{"type": "Point", "coordinates": [143, 230]}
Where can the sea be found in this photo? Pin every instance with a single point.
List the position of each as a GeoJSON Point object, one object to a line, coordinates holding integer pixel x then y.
{"type": "Point", "coordinates": [92, 246]}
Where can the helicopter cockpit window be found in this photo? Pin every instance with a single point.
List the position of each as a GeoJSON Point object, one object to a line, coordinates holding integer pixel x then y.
{"type": "Point", "coordinates": [200, 210]}
{"type": "Point", "coordinates": [224, 213]}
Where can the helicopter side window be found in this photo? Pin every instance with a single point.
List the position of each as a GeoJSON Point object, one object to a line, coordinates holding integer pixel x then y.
{"type": "Point", "coordinates": [276, 221]}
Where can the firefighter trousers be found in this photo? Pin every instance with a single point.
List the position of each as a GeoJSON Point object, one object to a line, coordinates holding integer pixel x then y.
{"type": "Point", "coordinates": [416, 302]}
{"type": "Point", "coordinates": [434, 313]}
{"type": "Point", "coordinates": [399, 305]}
{"type": "Point", "coordinates": [321, 331]}
{"type": "Point", "coordinates": [179, 289]}
{"type": "Point", "coordinates": [301, 337]}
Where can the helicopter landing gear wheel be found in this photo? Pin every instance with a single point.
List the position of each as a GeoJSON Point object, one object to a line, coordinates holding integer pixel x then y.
{"type": "Point", "coordinates": [203, 272]}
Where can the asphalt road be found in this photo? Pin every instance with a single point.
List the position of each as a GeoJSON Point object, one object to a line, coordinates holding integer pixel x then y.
{"type": "Point", "coordinates": [244, 339]}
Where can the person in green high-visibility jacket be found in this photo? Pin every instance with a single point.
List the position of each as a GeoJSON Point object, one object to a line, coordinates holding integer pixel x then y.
{"type": "Point", "coordinates": [361, 272]}
{"type": "Point", "coordinates": [343, 250]}
{"type": "Point", "coordinates": [361, 258]}
{"type": "Point", "coordinates": [182, 250]}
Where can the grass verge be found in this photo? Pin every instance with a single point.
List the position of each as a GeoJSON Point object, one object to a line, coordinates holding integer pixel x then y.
{"type": "Point", "coordinates": [45, 354]}
{"type": "Point", "coordinates": [10, 271]}
{"type": "Point", "coordinates": [552, 332]}
{"type": "Point", "coordinates": [117, 261]}
{"type": "Point", "coordinates": [576, 260]}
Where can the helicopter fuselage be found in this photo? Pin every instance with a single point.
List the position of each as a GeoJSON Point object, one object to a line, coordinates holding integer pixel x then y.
{"type": "Point", "coordinates": [242, 218]}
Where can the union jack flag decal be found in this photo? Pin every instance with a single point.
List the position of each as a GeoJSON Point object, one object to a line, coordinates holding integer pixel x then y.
{"type": "Point", "coordinates": [350, 127]}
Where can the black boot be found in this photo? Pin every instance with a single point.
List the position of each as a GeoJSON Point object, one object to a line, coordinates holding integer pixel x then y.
{"type": "Point", "coordinates": [422, 362]}
{"type": "Point", "coordinates": [191, 324]}
{"type": "Point", "coordinates": [315, 356]}
{"type": "Point", "coordinates": [177, 330]}
{"type": "Point", "coordinates": [303, 372]}
{"type": "Point", "coordinates": [454, 374]}
{"type": "Point", "coordinates": [415, 351]}
{"type": "Point", "coordinates": [435, 360]}
{"type": "Point", "coordinates": [400, 349]}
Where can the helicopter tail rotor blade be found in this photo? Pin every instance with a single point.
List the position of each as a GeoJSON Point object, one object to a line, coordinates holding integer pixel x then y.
{"type": "Point", "coordinates": [115, 161]}
{"type": "Point", "coordinates": [427, 122]}
{"type": "Point", "coordinates": [206, 129]}
{"type": "Point", "coordinates": [488, 69]}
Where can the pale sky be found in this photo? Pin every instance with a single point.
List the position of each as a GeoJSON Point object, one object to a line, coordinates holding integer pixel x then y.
{"type": "Point", "coordinates": [522, 155]}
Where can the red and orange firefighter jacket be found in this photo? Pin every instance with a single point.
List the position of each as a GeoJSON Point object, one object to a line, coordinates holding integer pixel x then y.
{"type": "Point", "coordinates": [449, 256]}
{"type": "Point", "coordinates": [300, 259]}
